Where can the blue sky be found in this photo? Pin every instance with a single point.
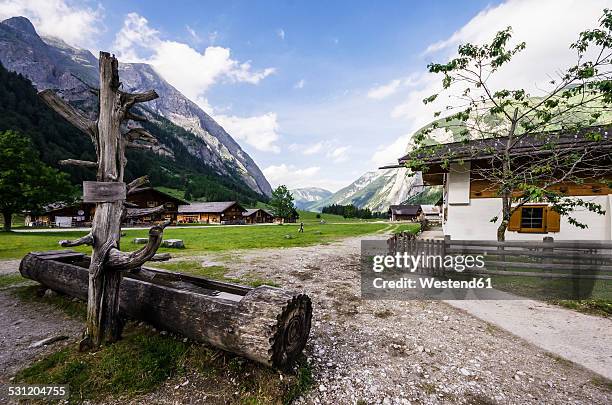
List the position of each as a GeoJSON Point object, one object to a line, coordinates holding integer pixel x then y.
{"type": "Point", "coordinates": [316, 92]}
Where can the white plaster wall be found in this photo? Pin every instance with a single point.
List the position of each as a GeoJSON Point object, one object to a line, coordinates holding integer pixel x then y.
{"type": "Point", "coordinates": [459, 183]}
{"type": "Point", "coordinates": [471, 222]}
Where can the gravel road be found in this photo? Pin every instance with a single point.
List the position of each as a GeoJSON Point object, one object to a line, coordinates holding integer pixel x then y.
{"type": "Point", "coordinates": [394, 352]}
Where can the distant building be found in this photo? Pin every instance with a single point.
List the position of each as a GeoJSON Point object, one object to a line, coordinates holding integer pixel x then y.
{"type": "Point", "coordinates": [431, 212]}
{"type": "Point", "coordinates": [224, 212]}
{"type": "Point", "coordinates": [149, 197]}
{"type": "Point", "coordinates": [257, 216]}
{"type": "Point", "coordinates": [81, 214]}
{"type": "Point", "coordinates": [405, 212]}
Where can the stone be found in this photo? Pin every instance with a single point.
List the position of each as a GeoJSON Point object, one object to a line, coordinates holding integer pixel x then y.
{"type": "Point", "coordinates": [48, 341]}
{"type": "Point", "coordinates": [173, 243]}
{"type": "Point", "coordinates": [140, 241]}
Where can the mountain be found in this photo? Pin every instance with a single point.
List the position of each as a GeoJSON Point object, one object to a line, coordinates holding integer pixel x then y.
{"type": "Point", "coordinates": [376, 190]}
{"type": "Point", "coordinates": [303, 198]}
{"type": "Point", "coordinates": [73, 73]}
{"type": "Point", "coordinates": [23, 111]}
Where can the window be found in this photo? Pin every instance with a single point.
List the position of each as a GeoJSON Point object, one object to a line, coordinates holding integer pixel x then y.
{"type": "Point", "coordinates": [535, 219]}
{"type": "Point", "coordinates": [532, 218]}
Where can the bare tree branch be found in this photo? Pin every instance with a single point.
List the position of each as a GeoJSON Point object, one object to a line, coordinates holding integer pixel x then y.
{"type": "Point", "coordinates": [68, 112]}
{"type": "Point", "coordinates": [85, 240]}
{"type": "Point", "coordinates": [143, 212]}
{"type": "Point", "coordinates": [140, 134]}
{"type": "Point", "coordinates": [126, 261]}
{"type": "Point", "coordinates": [75, 162]}
{"type": "Point", "coordinates": [134, 184]}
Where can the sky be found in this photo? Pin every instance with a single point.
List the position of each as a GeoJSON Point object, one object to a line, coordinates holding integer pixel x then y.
{"type": "Point", "coordinates": [317, 92]}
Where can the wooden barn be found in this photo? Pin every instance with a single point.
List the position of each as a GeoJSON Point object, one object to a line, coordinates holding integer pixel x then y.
{"type": "Point", "coordinates": [80, 214]}
{"type": "Point", "coordinates": [62, 215]}
{"type": "Point", "coordinates": [223, 212]}
{"type": "Point", "coordinates": [405, 212]}
{"type": "Point", "coordinates": [257, 216]}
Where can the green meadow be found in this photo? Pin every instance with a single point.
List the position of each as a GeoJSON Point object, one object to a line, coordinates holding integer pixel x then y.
{"type": "Point", "coordinates": [14, 245]}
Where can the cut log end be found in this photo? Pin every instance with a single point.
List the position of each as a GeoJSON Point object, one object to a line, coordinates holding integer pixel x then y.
{"type": "Point", "coordinates": [292, 331]}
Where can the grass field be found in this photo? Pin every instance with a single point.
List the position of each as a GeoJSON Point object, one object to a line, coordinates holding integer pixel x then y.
{"type": "Point", "coordinates": [15, 245]}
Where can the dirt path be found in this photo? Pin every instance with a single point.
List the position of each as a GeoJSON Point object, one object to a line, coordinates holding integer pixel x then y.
{"type": "Point", "coordinates": [22, 324]}
{"type": "Point", "coordinates": [401, 352]}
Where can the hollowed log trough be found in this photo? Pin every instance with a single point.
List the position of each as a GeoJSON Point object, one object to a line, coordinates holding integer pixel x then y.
{"type": "Point", "coordinates": [265, 324]}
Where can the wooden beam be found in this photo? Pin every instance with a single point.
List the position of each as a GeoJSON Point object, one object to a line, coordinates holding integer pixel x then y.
{"type": "Point", "coordinates": [68, 112]}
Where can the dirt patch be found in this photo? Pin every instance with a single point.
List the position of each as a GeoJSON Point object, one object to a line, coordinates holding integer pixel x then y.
{"type": "Point", "coordinates": [21, 325]}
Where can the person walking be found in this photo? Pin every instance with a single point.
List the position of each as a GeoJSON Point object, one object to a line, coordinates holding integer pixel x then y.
{"type": "Point", "coordinates": [301, 227]}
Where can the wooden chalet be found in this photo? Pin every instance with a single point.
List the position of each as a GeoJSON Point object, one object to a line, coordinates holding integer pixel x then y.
{"type": "Point", "coordinates": [405, 212]}
{"type": "Point", "coordinates": [470, 201]}
{"type": "Point", "coordinates": [149, 197]}
{"type": "Point", "coordinates": [257, 216]}
{"type": "Point", "coordinates": [224, 212]}
{"type": "Point", "coordinates": [81, 214]}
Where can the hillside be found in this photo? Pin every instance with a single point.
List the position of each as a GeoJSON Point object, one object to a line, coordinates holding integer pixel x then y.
{"type": "Point", "coordinates": [304, 198]}
{"type": "Point", "coordinates": [72, 72]}
{"type": "Point", "coordinates": [55, 139]}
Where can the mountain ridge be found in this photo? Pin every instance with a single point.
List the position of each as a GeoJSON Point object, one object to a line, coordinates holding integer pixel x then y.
{"type": "Point", "coordinates": [304, 197]}
{"type": "Point", "coordinates": [72, 72]}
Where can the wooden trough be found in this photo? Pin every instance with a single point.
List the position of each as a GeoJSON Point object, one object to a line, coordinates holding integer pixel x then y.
{"type": "Point", "coordinates": [265, 324]}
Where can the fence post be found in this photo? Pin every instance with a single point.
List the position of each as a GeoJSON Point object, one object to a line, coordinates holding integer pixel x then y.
{"type": "Point", "coordinates": [548, 248]}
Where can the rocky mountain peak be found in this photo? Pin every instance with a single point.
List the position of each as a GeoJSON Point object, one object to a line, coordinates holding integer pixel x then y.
{"type": "Point", "coordinates": [21, 24]}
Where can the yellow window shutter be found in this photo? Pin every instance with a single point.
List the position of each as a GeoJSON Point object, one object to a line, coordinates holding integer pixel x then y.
{"type": "Point", "coordinates": [515, 220]}
{"type": "Point", "coordinates": [553, 220]}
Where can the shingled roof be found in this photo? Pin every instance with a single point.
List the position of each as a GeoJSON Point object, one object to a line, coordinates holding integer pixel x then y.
{"type": "Point", "coordinates": [410, 210]}
{"type": "Point", "coordinates": [251, 211]}
{"type": "Point", "coordinates": [216, 207]}
{"type": "Point", "coordinates": [529, 145]}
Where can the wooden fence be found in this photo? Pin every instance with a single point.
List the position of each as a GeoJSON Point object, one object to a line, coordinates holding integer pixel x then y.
{"type": "Point", "coordinates": [545, 259]}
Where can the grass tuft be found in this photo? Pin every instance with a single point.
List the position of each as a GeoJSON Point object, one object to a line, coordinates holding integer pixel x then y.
{"type": "Point", "coordinates": [7, 280]}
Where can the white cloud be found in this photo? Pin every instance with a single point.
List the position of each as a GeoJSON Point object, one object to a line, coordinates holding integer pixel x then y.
{"type": "Point", "coordinates": [281, 33]}
{"type": "Point", "coordinates": [385, 90]}
{"type": "Point", "coordinates": [388, 154]}
{"type": "Point", "coordinates": [300, 84]}
{"type": "Point", "coordinates": [312, 149]}
{"type": "Point", "coordinates": [75, 23]}
{"type": "Point", "coordinates": [290, 175]}
{"type": "Point", "coordinates": [339, 154]}
{"type": "Point", "coordinates": [190, 71]}
{"type": "Point", "coordinates": [193, 34]}
{"type": "Point", "coordinates": [547, 27]}
{"type": "Point", "coordinates": [260, 132]}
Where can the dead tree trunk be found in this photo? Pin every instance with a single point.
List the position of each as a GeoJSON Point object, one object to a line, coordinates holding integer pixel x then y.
{"type": "Point", "coordinates": [109, 193]}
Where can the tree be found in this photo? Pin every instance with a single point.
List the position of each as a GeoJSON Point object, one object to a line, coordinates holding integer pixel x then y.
{"type": "Point", "coordinates": [26, 183]}
{"type": "Point", "coordinates": [573, 102]}
{"type": "Point", "coordinates": [111, 138]}
{"type": "Point", "coordinates": [282, 202]}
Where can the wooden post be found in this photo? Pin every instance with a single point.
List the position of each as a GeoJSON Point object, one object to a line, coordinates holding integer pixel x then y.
{"type": "Point", "coordinates": [107, 261]}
